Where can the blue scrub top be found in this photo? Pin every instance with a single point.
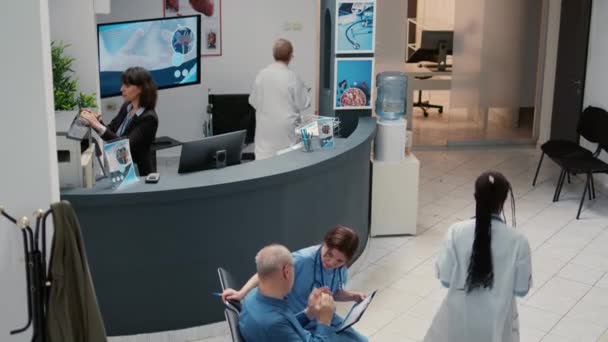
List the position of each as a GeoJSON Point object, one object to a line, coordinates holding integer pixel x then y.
{"type": "Point", "coordinates": [308, 268]}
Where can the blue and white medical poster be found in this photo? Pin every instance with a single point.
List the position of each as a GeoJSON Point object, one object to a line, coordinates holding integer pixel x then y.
{"type": "Point", "coordinates": [355, 27]}
{"type": "Point", "coordinates": [353, 86]}
{"type": "Point", "coordinates": [121, 169]}
{"type": "Point", "coordinates": [167, 47]}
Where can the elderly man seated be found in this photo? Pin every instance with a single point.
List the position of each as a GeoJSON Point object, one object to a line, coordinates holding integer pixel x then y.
{"type": "Point", "coordinates": [266, 315]}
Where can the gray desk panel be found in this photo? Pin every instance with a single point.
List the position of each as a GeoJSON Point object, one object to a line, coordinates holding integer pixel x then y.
{"type": "Point", "coordinates": [154, 249]}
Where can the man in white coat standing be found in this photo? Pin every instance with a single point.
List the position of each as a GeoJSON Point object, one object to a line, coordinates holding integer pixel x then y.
{"type": "Point", "coordinates": [279, 96]}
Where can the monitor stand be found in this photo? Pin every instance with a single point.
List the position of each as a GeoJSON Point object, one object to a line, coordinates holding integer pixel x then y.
{"type": "Point", "coordinates": [220, 159]}
{"type": "Point", "coordinates": [443, 55]}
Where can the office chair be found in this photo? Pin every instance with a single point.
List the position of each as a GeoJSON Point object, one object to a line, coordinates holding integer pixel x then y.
{"type": "Point", "coordinates": [227, 282]}
{"type": "Point", "coordinates": [232, 317]}
{"type": "Point", "coordinates": [425, 105]}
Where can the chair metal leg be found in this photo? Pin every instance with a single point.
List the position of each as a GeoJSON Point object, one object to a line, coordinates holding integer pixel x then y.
{"type": "Point", "coordinates": [593, 186]}
{"type": "Point", "coordinates": [590, 192]}
{"type": "Point", "coordinates": [569, 180]}
{"type": "Point", "coordinates": [558, 188]}
{"type": "Point", "coordinates": [538, 169]}
{"type": "Point", "coordinates": [587, 186]}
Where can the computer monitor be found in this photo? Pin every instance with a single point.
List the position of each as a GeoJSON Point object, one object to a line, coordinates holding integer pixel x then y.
{"type": "Point", "coordinates": [212, 152]}
{"type": "Point", "coordinates": [435, 46]}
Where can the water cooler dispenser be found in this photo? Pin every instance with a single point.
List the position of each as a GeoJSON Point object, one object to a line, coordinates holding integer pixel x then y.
{"type": "Point", "coordinates": [394, 174]}
{"type": "Point", "coordinates": [391, 93]}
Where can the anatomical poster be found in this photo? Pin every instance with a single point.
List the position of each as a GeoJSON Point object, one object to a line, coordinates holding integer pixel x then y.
{"type": "Point", "coordinates": [211, 21]}
{"type": "Point", "coordinates": [353, 83]}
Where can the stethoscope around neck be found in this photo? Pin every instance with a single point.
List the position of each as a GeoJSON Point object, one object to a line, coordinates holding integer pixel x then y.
{"type": "Point", "coordinates": [319, 265]}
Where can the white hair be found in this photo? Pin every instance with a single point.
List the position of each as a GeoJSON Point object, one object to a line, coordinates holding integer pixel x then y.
{"type": "Point", "coordinates": [271, 258]}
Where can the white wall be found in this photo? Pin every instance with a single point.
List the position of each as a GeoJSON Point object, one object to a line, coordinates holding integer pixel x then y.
{"type": "Point", "coordinates": [249, 30]}
{"type": "Point", "coordinates": [596, 81]}
{"type": "Point", "coordinates": [28, 177]}
{"type": "Point", "coordinates": [73, 22]}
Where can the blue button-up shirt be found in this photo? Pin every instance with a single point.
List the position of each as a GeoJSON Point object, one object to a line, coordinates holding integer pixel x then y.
{"type": "Point", "coordinates": [269, 319]}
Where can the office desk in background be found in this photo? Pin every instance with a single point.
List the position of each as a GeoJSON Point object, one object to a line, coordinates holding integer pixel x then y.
{"type": "Point", "coordinates": [440, 80]}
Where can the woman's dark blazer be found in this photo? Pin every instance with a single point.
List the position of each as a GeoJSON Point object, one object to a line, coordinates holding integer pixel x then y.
{"type": "Point", "coordinates": [141, 132]}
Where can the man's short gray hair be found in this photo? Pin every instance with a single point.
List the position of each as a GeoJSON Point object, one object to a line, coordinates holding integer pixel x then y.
{"type": "Point", "coordinates": [282, 50]}
{"type": "Point", "coordinates": [271, 258]}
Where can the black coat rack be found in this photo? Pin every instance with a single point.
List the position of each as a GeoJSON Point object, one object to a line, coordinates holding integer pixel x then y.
{"type": "Point", "coordinates": [38, 283]}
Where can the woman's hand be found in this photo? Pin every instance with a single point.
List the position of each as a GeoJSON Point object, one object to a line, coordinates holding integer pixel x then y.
{"type": "Point", "coordinates": [90, 118]}
{"type": "Point", "coordinates": [349, 296]}
{"type": "Point", "coordinates": [358, 296]}
{"type": "Point", "coordinates": [231, 294]}
{"type": "Point", "coordinates": [97, 116]}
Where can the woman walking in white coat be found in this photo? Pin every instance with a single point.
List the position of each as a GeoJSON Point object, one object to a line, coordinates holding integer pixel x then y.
{"type": "Point", "coordinates": [485, 264]}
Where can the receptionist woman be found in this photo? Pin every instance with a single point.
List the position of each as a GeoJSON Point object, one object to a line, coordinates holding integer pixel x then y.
{"type": "Point", "coordinates": [319, 266]}
{"type": "Point", "coordinates": [136, 119]}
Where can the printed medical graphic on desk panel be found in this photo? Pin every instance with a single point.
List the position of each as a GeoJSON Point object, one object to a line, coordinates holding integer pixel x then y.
{"type": "Point", "coordinates": [355, 31]}
{"type": "Point", "coordinates": [119, 163]}
{"type": "Point", "coordinates": [353, 83]}
{"type": "Point", "coordinates": [211, 21]}
{"type": "Point", "coordinates": [167, 47]}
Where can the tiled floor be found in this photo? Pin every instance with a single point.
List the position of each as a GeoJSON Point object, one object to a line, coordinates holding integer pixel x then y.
{"type": "Point", "coordinates": [455, 125]}
{"type": "Point", "coordinates": [569, 301]}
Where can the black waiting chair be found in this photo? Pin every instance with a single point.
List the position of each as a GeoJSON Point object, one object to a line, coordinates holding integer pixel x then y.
{"type": "Point", "coordinates": [232, 317]}
{"type": "Point", "coordinates": [227, 282]}
{"type": "Point", "coordinates": [558, 148]}
{"type": "Point", "coordinates": [596, 123]}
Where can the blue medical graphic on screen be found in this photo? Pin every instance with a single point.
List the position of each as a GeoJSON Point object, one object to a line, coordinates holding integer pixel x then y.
{"type": "Point", "coordinates": [353, 83]}
{"type": "Point", "coordinates": [168, 47]}
{"type": "Point", "coordinates": [355, 27]}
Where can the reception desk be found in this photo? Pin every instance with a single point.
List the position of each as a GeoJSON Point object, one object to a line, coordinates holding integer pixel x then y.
{"type": "Point", "coordinates": [153, 249]}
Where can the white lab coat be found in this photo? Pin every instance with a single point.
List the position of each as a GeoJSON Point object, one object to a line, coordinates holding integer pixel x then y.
{"type": "Point", "coordinates": [278, 97]}
{"type": "Point", "coordinates": [488, 315]}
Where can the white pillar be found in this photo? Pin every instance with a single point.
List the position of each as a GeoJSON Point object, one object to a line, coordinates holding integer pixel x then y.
{"type": "Point", "coordinates": [28, 167]}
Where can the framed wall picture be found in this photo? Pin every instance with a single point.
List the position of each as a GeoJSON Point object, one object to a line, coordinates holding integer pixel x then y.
{"type": "Point", "coordinates": [355, 26]}
{"type": "Point", "coordinates": [211, 21]}
{"type": "Point", "coordinates": [354, 82]}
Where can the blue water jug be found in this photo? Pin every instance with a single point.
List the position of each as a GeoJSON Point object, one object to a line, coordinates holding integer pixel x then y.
{"type": "Point", "coordinates": [391, 90]}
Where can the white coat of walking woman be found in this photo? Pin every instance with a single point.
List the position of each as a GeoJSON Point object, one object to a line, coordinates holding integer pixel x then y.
{"type": "Point", "coordinates": [485, 264]}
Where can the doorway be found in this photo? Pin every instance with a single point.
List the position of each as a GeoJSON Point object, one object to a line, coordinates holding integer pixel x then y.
{"type": "Point", "coordinates": [479, 109]}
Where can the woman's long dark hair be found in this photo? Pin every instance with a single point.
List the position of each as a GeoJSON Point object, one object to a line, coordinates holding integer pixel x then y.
{"type": "Point", "coordinates": [491, 190]}
{"type": "Point", "coordinates": [142, 78]}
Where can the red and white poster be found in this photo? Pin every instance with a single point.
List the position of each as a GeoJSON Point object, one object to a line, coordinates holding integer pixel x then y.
{"type": "Point", "coordinates": [211, 21]}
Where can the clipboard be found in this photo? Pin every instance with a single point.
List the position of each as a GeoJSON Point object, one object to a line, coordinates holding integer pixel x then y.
{"type": "Point", "coordinates": [356, 312]}
{"type": "Point", "coordinates": [78, 128]}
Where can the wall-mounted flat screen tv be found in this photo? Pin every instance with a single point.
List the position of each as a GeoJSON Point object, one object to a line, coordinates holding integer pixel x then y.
{"type": "Point", "coordinates": [168, 47]}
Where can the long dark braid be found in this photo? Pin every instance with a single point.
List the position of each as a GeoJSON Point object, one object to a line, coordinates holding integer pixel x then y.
{"type": "Point", "coordinates": [491, 190]}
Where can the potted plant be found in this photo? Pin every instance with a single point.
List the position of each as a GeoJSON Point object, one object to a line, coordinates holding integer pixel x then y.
{"type": "Point", "coordinates": [64, 86]}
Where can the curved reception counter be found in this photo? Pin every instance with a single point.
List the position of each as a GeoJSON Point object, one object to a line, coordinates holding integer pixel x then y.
{"type": "Point", "coordinates": [154, 249]}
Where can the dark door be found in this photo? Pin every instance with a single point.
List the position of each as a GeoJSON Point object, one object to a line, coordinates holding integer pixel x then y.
{"type": "Point", "coordinates": [571, 68]}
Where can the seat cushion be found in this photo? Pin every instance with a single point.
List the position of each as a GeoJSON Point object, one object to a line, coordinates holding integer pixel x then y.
{"type": "Point", "coordinates": [563, 148]}
{"type": "Point", "coordinates": [578, 165]}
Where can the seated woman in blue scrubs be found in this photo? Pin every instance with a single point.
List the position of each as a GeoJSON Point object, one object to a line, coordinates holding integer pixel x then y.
{"type": "Point", "coordinates": [320, 266]}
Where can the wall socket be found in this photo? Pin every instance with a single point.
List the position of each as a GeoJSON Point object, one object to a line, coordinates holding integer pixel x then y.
{"type": "Point", "coordinates": [292, 26]}
{"type": "Point", "coordinates": [111, 106]}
